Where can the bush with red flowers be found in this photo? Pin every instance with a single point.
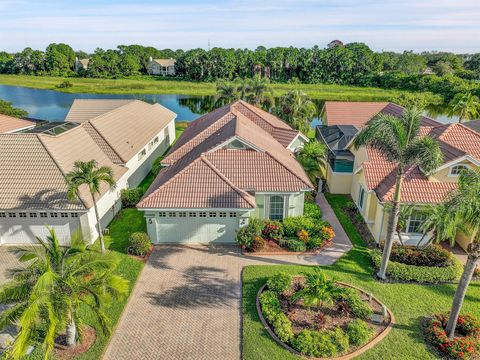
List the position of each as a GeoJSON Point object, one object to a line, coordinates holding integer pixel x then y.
{"type": "Point", "coordinates": [272, 230]}
{"type": "Point", "coordinates": [464, 346]}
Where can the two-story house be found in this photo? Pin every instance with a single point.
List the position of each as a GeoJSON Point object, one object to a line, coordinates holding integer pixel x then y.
{"type": "Point", "coordinates": [164, 67]}
{"type": "Point", "coordinates": [370, 178]}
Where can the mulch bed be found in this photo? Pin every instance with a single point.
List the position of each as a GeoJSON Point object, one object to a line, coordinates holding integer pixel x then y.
{"type": "Point", "coordinates": [63, 352]}
{"type": "Point", "coordinates": [272, 248]}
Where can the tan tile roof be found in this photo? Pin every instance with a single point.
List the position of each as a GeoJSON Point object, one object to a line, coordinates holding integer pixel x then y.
{"type": "Point", "coordinates": [455, 142]}
{"type": "Point", "coordinates": [269, 166]}
{"type": "Point", "coordinates": [121, 127]}
{"type": "Point", "coordinates": [86, 109]}
{"type": "Point", "coordinates": [10, 124]}
{"type": "Point", "coordinates": [165, 62]}
{"type": "Point", "coordinates": [359, 113]}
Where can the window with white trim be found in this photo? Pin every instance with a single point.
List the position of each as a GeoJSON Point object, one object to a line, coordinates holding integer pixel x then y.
{"type": "Point", "coordinates": [414, 223]}
{"type": "Point", "coordinates": [53, 215]}
{"type": "Point", "coordinates": [277, 206]}
{"type": "Point", "coordinates": [202, 214]}
{"type": "Point", "coordinates": [222, 214]}
{"type": "Point", "coordinates": [22, 214]}
{"type": "Point", "coordinates": [166, 135]}
{"type": "Point", "coordinates": [233, 214]}
{"type": "Point", "coordinates": [33, 215]}
{"type": "Point", "coordinates": [456, 170]}
{"type": "Point", "coordinates": [192, 214]}
{"type": "Point", "coordinates": [12, 215]}
{"type": "Point", "coordinates": [162, 214]}
{"type": "Point", "coordinates": [3, 215]}
{"type": "Point", "coordinates": [43, 214]}
{"type": "Point", "coordinates": [212, 214]}
{"type": "Point", "coordinates": [172, 214]}
{"type": "Point", "coordinates": [182, 214]}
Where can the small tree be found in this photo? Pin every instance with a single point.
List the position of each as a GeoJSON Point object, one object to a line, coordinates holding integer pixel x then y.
{"type": "Point", "coordinates": [466, 106]}
{"type": "Point", "coordinates": [399, 140]}
{"type": "Point", "coordinates": [46, 295]}
{"type": "Point", "coordinates": [297, 109]}
{"type": "Point", "coordinates": [89, 174]}
{"type": "Point", "coordinates": [318, 290]}
{"type": "Point", "coordinates": [313, 158]}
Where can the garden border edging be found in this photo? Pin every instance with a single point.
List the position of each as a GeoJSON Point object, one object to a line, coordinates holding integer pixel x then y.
{"type": "Point", "coordinates": [349, 356]}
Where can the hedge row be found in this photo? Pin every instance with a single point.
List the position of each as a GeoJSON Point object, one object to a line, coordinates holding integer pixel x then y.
{"type": "Point", "coordinates": [421, 274]}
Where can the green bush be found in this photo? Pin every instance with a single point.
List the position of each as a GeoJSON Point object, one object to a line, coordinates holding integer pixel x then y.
{"type": "Point", "coordinates": [156, 165]}
{"type": "Point", "coordinates": [272, 230]}
{"type": "Point", "coordinates": [339, 339]}
{"type": "Point", "coordinates": [139, 243]}
{"type": "Point", "coordinates": [314, 343]}
{"type": "Point", "coordinates": [279, 282]}
{"type": "Point", "coordinates": [270, 305]}
{"type": "Point", "coordinates": [421, 274]}
{"type": "Point", "coordinates": [314, 242]}
{"type": "Point", "coordinates": [64, 85]}
{"type": "Point", "coordinates": [312, 210]}
{"type": "Point", "coordinates": [130, 197]}
{"type": "Point", "coordinates": [246, 235]}
{"type": "Point", "coordinates": [282, 327]}
{"type": "Point", "coordinates": [293, 245]}
{"type": "Point", "coordinates": [356, 306]}
{"type": "Point", "coordinates": [292, 225]}
{"type": "Point", "coordinates": [358, 332]}
{"type": "Point", "coordinates": [432, 255]}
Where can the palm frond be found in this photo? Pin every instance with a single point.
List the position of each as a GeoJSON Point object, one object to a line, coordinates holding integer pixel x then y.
{"type": "Point", "coordinates": [425, 152]}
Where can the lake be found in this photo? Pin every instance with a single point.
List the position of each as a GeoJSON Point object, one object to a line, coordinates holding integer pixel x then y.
{"type": "Point", "coordinates": [53, 105]}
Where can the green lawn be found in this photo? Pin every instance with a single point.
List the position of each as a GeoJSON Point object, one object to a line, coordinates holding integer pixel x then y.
{"type": "Point", "coordinates": [409, 302]}
{"type": "Point", "coordinates": [151, 85]}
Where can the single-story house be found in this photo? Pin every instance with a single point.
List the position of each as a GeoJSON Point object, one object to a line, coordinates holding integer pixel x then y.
{"type": "Point", "coordinates": [233, 163]}
{"type": "Point", "coordinates": [164, 67]}
{"type": "Point", "coordinates": [10, 124]}
{"type": "Point", "coordinates": [81, 64]}
{"type": "Point", "coordinates": [124, 135]}
{"type": "Point", "coordinates": [370, 180]}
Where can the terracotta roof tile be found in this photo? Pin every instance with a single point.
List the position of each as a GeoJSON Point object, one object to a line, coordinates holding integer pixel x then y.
{"type": "Point", "coordinates": [9, 124]}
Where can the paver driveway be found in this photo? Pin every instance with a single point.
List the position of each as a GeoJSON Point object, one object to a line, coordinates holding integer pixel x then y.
{"type": "Point", "coordinates": [186, 303]}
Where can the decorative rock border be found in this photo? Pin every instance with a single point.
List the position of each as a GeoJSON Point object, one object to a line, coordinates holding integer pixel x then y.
{"type": "Point", "coordinates": [349, 356]}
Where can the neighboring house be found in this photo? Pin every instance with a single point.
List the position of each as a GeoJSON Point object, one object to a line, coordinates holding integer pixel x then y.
{"type": "Point", "coordinates": [10, 124]}
{"type": "Point", "coordinates": [335, 43]}
{"type": "Point", "coordinates": [81, 64]}
{"type": "Point", "coordinates": [370, 180]}
{"type": "Point", "coordinates": [231, 164]}
{"type": "Point", "coordinates": [124, 135]}
{"type": "Point", "coordinates": [164, 67]}
{"type": "Point", "coordinates": [473, 124]}
{"type": "Point", "coordinates": [428, 71]}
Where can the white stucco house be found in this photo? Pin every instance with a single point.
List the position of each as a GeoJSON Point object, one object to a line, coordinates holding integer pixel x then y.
{"type": "Point", "coordinates": [164, 67]}
{"type": "Point", "coordinates": [126, 135]}
{"type": "Point", "coordinates": [231, 164]}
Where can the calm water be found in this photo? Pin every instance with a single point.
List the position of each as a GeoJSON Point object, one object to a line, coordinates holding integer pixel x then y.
{"type": "Point", "coordinates": [53, 105]}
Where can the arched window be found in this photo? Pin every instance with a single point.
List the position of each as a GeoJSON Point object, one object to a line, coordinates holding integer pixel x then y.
{"type": "Point", "coordinates": [276, 207]}
{"type": "Point", "coordinates": [456, 170]}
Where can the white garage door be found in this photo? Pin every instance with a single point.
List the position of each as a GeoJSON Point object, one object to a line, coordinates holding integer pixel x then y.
{"type": "Point", "coordinates": [197, 227]}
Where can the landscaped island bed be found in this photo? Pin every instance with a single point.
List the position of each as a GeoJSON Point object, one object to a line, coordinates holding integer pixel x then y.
{"type": "Point", "coordinates": [151, 85]}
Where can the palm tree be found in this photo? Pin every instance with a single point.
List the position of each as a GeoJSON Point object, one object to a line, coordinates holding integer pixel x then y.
{"type": "Point", "coordinates": [297, 109]}
{"type": "Point", "coordinates": [46, 295]}
{"type": "Point", "coordinates": [260, 92]}
{"type": "Point", "coordinates": [466, 106]}
{"type": "Point", "coordinates": [313, 158]}
{"type": "Point", "coordinates": [242, 88]}
{"type": "Point", "coordinates": [88, 173]}
{"type": "Point", "coordinates": [318, 290]}
{"type": "Point", "coordinates": [463, 210]}
{"type": "Point", "coordinates": [437, 223]}
{"type": "Point", "coordinates": [399, 140]}
{"type": "Point", "coordinates": [226, 91]}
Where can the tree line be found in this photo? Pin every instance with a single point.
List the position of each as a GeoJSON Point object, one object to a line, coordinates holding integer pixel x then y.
{"type": "Point", "coordinates": [441, 73]}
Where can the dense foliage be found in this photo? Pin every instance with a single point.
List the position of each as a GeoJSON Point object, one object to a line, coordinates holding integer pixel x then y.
{"type": "Point", "coordinates": [139, 243]}
{"type": "Point", "coordinates": [464, 346]}
{"type": "Point", "coordinates": [6, 108]}
{"type": "Point", "coordinates": [279, 282]}
{"type": "Point", "coordinates": [130, 197]}
{"type": "Point", "coordinates": [421, 274]}
{"type": "Point", "coordinates": [353, 64]}
{"type": "Point", "coordinates": [432, 255]}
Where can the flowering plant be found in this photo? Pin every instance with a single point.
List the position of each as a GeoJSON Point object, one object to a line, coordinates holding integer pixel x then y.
{"type": "Point", "coordinates": [302, 235]}
{"type": "Point", "coordinates": [460, 347]}
{"type": "Point", "coordinates": [327, 233]}
{"type": "Point", "coordinates": [272, 230]}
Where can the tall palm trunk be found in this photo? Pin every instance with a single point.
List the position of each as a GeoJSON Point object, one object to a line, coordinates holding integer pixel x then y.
{"type": "Point", "coordinates": [469, 269]}
{"type": "Point", "coordinates": [392, 225]}
{"type": "Point", "coordinates": [71, 332]}
{"type": "Point", "coordinates": [99, 226]}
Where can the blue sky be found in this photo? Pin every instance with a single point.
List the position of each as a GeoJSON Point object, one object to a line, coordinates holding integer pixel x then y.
{"type": "Point", "coordinates": [450, 25]}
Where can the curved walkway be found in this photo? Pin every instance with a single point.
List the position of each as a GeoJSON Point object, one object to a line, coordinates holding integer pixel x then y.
{"type": "Point", "coordinates": [187, 301]}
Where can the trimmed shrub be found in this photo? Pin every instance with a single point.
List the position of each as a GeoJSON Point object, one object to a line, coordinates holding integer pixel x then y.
{"type": "Point", "coordinates": [355, 305]}
{"type": "Point", "coordinates": [130, 197]}
{"type": "Point", "coordinates": [292, 225]}
{"type": "Point", "coordinates": [282, 327]}
{"type": "Point", "coordinates": [465, 346]}
{"type": "Point", "coordinates": [312, 210]}
{"type": "Point", "coordinates": [64, 85]}
{"type": "Point", "coordinates": [293, 245]}
{"type": "Point", "coordinates": [156, 165]}
{"type": "Point", "coordinates": [326, 233]}
{"type": "Point", "coordinates": [314, 343]}
{"type": "Point", "coordinates": [270, 305]}
{"type": "Point", "coordinates": [432, 255]}
{"type": "Point", "coordinates": [421, 274]}
{"type": "Point", "coordinates": [302, 235]}
{"type": "Point", "coordinates": [247, 235]}
{"type": "Point", "coordinates": [339, 339]}
{"type": "Point", "coordinates": [279, 282]}
{"type": "Point", "coordinates": [272, 230]}
{"type": "Point", "coordinates": [314, 243]}
{"type": "Point", "coordinates": [358, 332]}
{"type": "Point", "coordinates": [139, 243]}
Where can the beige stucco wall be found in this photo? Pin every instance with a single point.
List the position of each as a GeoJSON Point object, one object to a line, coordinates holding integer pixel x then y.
{"type": "Point", "coordinates": [294, 203]}
{"type": "Point", "coordinates": [338, 183]}
{"type": "Point", "coordinates": [443, 176]}
{"type": "Point", "coordinates": [361, 156]}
